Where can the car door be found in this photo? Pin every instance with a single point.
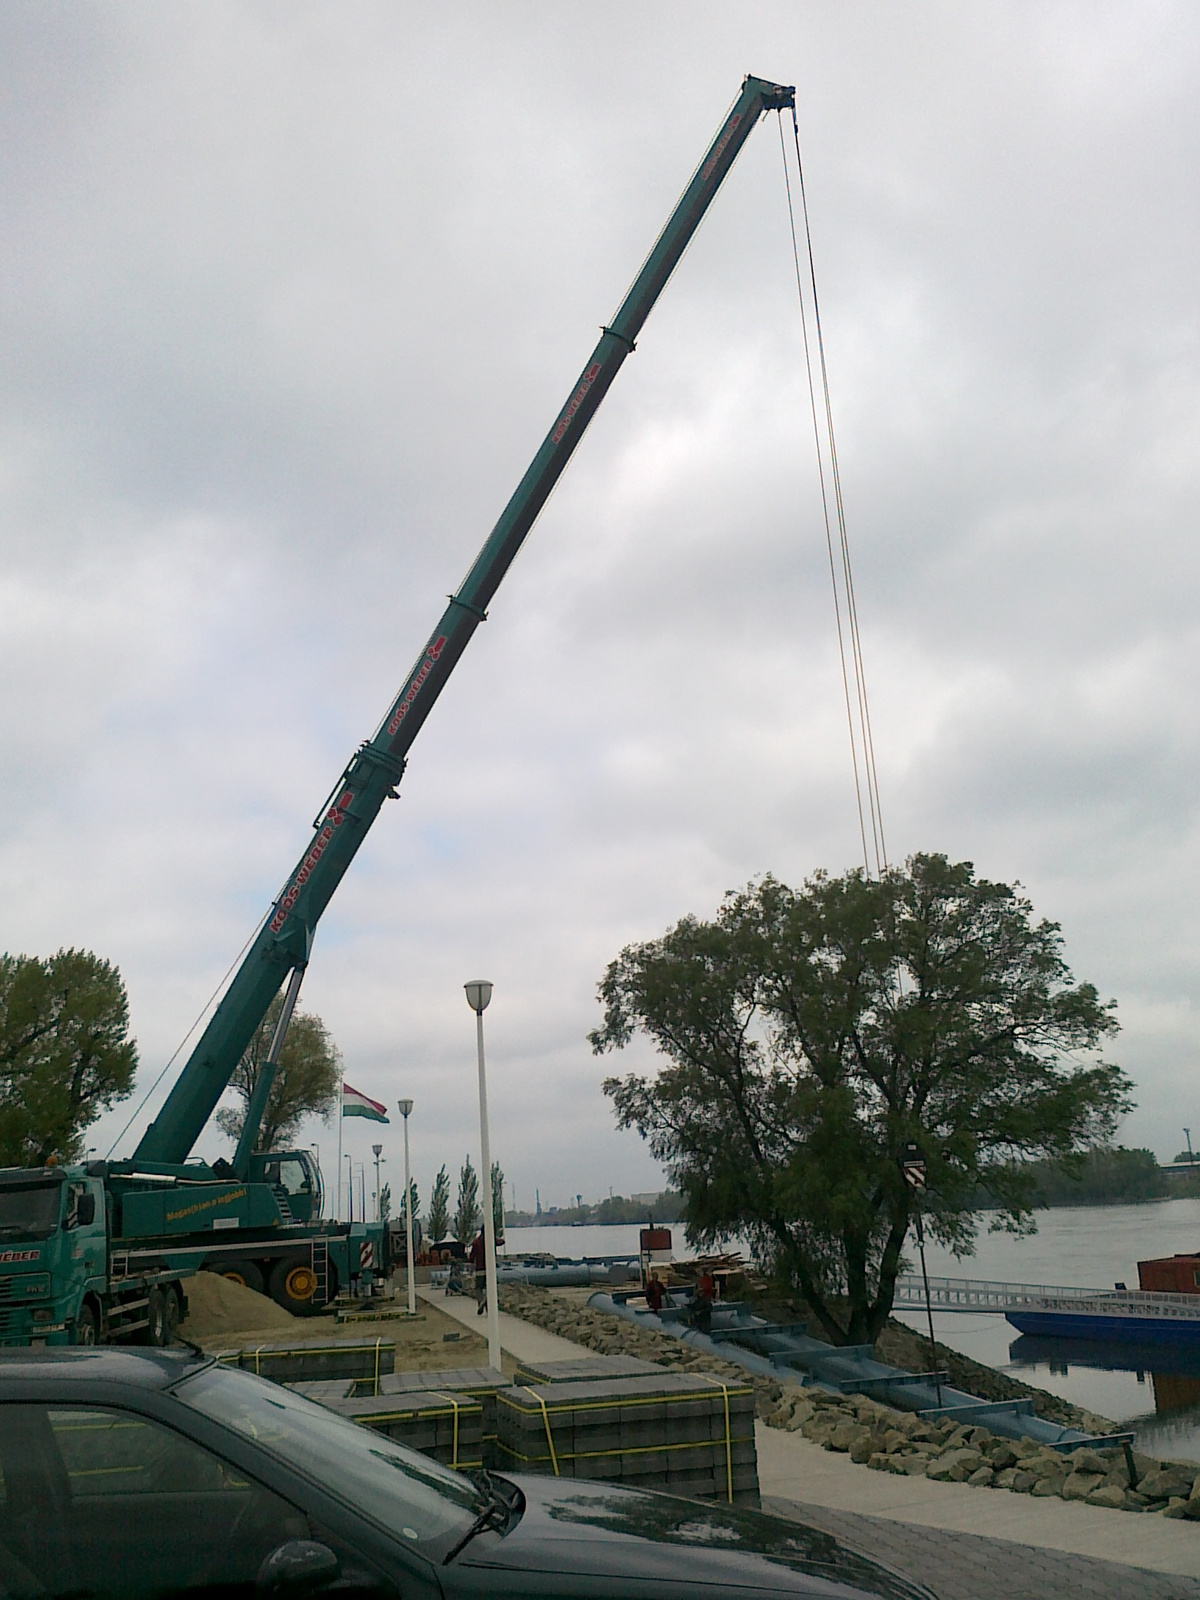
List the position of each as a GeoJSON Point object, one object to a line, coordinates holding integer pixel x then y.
{"type": "Point", "coordinates": [102, 1501]}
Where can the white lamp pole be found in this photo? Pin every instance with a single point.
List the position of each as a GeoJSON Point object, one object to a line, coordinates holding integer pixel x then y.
{"type": "Point", "coordinates": [405, 1107]}
{"type": "Point", "coordinates": [479, 992]}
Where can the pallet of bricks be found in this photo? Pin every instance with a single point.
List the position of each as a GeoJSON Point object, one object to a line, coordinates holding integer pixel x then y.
{"type": "Point", "coordinates": [683, 1433]}
{"type": "Point", "coordinates": [366, 1361]}
{"type": "Point", "coordinates": [449, 1415]}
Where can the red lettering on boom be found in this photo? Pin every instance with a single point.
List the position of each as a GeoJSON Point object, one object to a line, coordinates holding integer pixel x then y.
{"type": "Point", "coordinates": [576, 400]}
{"type": "Point", "coordinates": [432, 653]}
{"type": "Point", "coordinates": [336, 814]}
{"type": "Point", "coordinates": [719, 147]}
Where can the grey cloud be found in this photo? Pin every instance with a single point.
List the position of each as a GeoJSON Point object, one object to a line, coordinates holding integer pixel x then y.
{"type": "Point", "coordinates": [290, 298]}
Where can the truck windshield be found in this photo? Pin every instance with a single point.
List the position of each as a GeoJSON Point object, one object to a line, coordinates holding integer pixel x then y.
{"type": "Point", "coordinates": [413, 1497]}
{"type": "Point", "coordinates": [29, 1209]}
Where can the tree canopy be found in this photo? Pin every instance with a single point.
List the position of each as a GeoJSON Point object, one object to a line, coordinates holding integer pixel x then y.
{"type": "Point", "coordinates": [809, 1034]}
{"type": "Point", "coordinates": [65, 1052]}
{"type": "Point", "coordinates": [307, 1079]}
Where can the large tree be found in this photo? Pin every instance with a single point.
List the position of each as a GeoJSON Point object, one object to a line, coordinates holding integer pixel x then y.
{"type": "Point", "coordinates": [810, 1034]}
{"type": "Point", "coordinates": [65, 1052]}
{"type": "Point", "coordinates": [307, 1079]}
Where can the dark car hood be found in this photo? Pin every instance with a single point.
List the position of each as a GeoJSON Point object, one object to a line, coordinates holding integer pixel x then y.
{"type": "Point", "coordinates": [575, 1527]}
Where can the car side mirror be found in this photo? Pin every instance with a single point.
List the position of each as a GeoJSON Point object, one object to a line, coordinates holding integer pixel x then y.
{"type": "Point", "coordinates": [295, 1568]}
{"type": "Point", "coordinates": [85, 1210]}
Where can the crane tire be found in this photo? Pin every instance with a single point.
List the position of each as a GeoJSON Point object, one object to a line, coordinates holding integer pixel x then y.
{"type": "Point", "coordinates": [86, 1329]}
{"type": "Point", "coordinates": [247, 1273]}
{"type": "Point", "coordinates": [292, 1286]}
{"type": "Point", "coordinates": [154, 1333]}
{"type": "Point", "coordinates": [170, 1314]}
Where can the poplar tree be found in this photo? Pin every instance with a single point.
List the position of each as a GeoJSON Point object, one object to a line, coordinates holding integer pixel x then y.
{"type": "Point", "coordinates": [466, 1215]}
{"type": "Point", "coordinates": [438, 1219]}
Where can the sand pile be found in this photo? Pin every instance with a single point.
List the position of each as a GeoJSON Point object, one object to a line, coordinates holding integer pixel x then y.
{"type": "Point", "coordinates": [226, 1315]}
{"type": "Point", "coordinates": [223, 1311]}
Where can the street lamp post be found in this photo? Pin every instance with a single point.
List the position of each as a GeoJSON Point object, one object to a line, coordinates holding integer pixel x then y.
{"type": "Point", "coordinates": [479, 992]}
{"type": "Point", "coordinates": [377, 1151]}
{"type": "Point", "coordinates": [1187, 1133]}
{"type": "Point", "coordinates": [405, 1107]}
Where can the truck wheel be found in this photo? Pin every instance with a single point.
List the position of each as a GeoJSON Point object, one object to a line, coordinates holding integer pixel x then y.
{"type": "Point", "coordinates": [154, 1333]}
{"type": "Point", "coordinates": [85, 1330]}
{"type": "Point", "coordinates": [246, 1273]}
{"type": "Point", "coordinates": [293, 1284]}
{"type": "Point", "coordinates": [170, 1314]}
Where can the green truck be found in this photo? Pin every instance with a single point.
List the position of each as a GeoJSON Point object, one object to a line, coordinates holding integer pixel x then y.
{"type": "Point", "coordinates": [103, 1251]}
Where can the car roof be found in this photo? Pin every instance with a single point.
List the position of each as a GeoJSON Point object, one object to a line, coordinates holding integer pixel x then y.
{"type": "Point", "coordinates": [147, 1369]}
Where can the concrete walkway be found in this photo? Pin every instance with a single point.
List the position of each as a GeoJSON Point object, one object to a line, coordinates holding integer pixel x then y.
{"type": "Point", "coordinates": [792, 1468]}
{"type": "Point", "coordinates": [519, 1339]}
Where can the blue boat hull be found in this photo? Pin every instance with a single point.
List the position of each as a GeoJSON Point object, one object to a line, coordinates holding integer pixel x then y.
{"type": "Point", "coordinates": [1121, 1330]}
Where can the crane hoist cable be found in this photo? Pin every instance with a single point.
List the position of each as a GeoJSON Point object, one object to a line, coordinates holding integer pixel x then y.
{"type": "Point", "coordinates": [204, 1010]}
{"type": "Point", "coordinates": [858, 712]}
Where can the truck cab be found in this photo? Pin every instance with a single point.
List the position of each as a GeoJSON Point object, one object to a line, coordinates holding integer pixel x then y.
{"type": "Point", "coordinates": [295, 1180]}
{"type": "Point", "coordinates": [53, 1251]}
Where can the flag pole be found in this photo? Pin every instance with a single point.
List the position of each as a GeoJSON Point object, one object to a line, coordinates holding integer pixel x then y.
{"type": "Point", "coordinates": [341, 1119]}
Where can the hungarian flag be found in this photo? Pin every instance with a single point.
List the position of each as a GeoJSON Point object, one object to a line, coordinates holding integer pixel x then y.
{"type": "Point", "coordinates": [361, 1105]}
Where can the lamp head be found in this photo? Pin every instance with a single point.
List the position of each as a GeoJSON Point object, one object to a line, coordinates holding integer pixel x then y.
{"type": "Point", "coordinates": [479, 992]}
{"type": "Point", "coordinates": [377, 1151]}
{"type": "Point", "coordinates": [404, 1107]}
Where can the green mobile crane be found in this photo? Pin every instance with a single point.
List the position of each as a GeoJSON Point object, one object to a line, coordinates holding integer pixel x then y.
{"type": "Point", "coordinates": [103, 1250]}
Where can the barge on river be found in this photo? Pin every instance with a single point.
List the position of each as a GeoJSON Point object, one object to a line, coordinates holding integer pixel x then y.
{"type": "Point", "coordinates": [1165, 1309]}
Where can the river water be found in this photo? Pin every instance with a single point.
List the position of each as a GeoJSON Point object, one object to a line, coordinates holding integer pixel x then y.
{"type": "Point", "coordinates": [1089, 1247]}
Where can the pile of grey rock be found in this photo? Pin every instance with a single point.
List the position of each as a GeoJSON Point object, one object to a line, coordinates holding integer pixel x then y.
{"type": "Point", "coordinates": [611, 1336]}
{"type": "Point", "coordinates": [947, 1452]}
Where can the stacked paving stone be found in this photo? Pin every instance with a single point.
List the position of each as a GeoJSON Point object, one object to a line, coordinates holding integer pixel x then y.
{"type": "Point", "coordinates": [476, 1383]}
{"type": "Point", "coordinates": [448, 1427]}
{"type": "Point", "coordinates": [581, 1369]}
{"type": "Point", "coordinates": [947, 1452]}
{"type": "Point", "coordinates": [324, 1389]}
{"type": "Point", "coordinates": [684, 1433]}
{"type": "Point", "coordinates": [368, 1359]}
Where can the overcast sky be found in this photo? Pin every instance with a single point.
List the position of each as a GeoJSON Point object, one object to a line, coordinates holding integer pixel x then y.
{"type": "Point", "coordinates": [291, 294]}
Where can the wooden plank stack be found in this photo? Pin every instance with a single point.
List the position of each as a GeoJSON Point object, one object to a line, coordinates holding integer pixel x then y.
{"type": "Point", "coordinates": [685, 1433]}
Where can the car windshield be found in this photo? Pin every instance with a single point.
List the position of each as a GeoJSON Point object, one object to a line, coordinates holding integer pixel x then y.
{"type": "Point", "coordinates": [413, 1497]}
{"type": "Point", "coordinates": [29, 1208]}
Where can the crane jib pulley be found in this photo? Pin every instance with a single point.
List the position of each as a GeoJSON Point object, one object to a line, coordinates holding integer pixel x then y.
{"type": "Point", "coordinates": [283, 942]}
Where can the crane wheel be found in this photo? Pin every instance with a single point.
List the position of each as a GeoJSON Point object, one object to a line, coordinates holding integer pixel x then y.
{"type": "Point", "coordinates": [87, 1328]}
{"type": "Point", "coordinates": [247, 1273]}
{"type": "Point", "coordinates": [293, 1284]}
{"type": "Point", "coordinates": [155, 1331]}
{"type": "Point", "coordinates": [170, 1314]}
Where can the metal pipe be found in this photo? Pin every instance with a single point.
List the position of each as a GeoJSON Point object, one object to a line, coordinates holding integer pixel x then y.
{"type": "Point", "coordinates": [850, 1368]}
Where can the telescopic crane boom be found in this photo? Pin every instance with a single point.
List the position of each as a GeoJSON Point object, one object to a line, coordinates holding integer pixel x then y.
{"type": "Point", "coordinates": [285, 938]}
